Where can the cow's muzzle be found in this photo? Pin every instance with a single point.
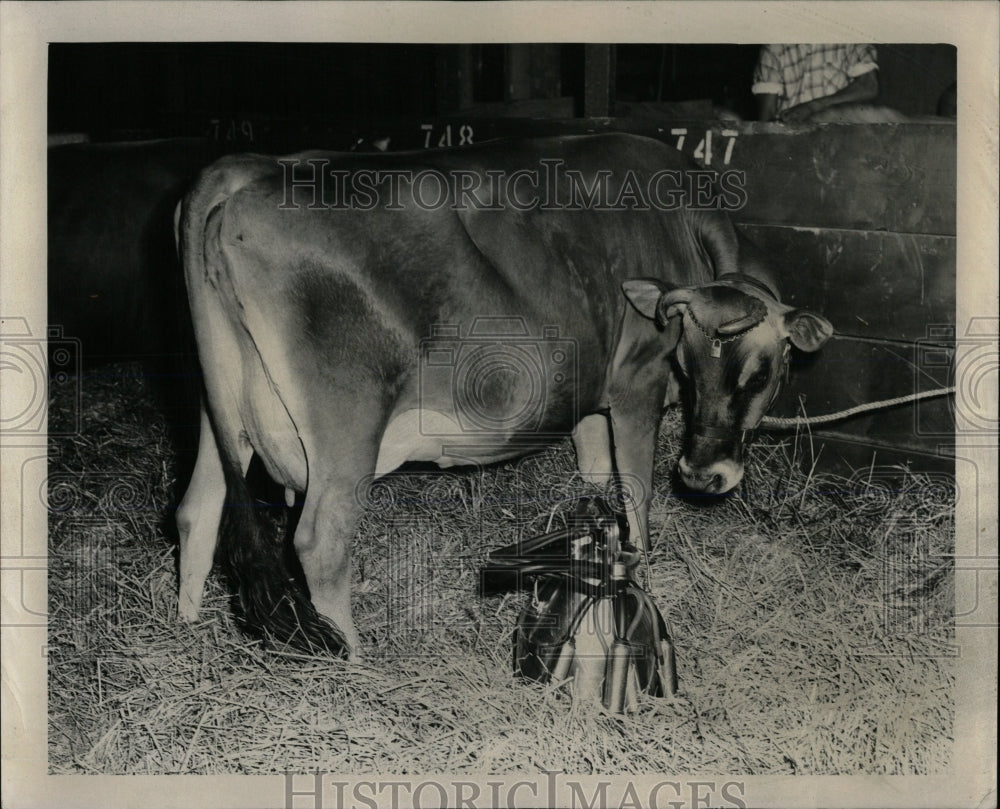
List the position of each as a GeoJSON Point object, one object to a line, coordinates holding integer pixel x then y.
{"type": "Point", "coordinates": [717, 478]}
{"type": "Point", "coordinates": [713, 460]}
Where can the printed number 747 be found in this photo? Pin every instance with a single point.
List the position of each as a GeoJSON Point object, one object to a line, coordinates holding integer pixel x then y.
{"type": "Point", "coordinates": [703, 151]}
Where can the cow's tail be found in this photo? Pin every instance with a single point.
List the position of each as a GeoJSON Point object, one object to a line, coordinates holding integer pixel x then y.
{"type": "Point", "coordinates": [272, 602]}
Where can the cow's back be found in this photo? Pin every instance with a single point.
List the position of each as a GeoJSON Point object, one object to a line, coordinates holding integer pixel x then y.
{"type": "Point", "coordinates": [337, 299]}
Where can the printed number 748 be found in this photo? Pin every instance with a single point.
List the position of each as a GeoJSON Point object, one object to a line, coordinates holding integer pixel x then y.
{"type": "Point", "coordinates": [445, 139]}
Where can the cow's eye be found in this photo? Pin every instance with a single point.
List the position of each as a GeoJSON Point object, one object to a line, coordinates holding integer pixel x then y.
{"type": "Point", "coordinates": [679, 357]}
{"type": "Point", "coordinates": [757, 382]}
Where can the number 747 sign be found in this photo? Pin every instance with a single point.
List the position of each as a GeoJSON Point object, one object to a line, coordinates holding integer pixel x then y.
{"type": "Point", "coordinates": [703, 151]}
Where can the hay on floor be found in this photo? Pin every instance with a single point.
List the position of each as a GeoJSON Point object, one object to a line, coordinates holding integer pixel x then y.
{"type": "Point", "coordinates": [812, 618]}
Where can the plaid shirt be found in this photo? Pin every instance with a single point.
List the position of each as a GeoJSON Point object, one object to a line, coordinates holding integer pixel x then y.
{"type": "Point", "coordinates": [800, 73]}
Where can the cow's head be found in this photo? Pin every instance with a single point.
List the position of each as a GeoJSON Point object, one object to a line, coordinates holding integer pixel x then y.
{"type": "Point", "coordinates": [732, 341]}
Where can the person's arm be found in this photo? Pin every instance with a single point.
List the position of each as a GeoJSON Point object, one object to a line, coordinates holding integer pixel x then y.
{"type": "Point", "coordinates": [767, 83]}
{"type": "Point", "coordinates": [767, 106]}
{"type": "Point", "coordinates": [863, 88]}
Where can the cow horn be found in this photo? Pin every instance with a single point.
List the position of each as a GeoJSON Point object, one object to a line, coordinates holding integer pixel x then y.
{"type": "Point", "coordinates": [679, 295]}
{"type": "Point", "coordinates": [670, 302]}
{"type": "Point", "coordinates": [738, 325]}
{"type": "Point", "coordinates": [758, 311]}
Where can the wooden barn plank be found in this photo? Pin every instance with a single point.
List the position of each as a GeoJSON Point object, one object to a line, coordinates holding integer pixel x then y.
{"type": "Point", "coordinates": [897, 177]}
{"type": "Point", "coordinates": [875, 284]}
{"type": "Point", "coordinates": [598, 79]}
{"type": "Point", "coordinates": [849, 372]}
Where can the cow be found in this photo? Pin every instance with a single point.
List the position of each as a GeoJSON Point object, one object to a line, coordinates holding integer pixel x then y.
{"type": "Point", "coordinates": [340, 339]}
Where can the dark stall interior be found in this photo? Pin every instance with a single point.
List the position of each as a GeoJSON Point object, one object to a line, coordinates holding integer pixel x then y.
{"type": "Point", "coordinates": [117, 91]}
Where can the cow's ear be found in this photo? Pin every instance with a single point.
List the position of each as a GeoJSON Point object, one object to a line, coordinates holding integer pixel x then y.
{"type": "Point", "coordinates": [655, 300]}
{"type": "Point", "coordinates": [644, 294]}
{"type": "Point", "coordinates": [807, 330]}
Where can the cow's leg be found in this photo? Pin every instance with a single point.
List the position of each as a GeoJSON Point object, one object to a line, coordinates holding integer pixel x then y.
{"type": "Point", "coordinates": [635, 441]}
{"type": "Point", "coordinates": [592, 442]}
{"type": "Point", "coordinates": [636, 398]}
{"type": "Point", "coordinates": [198, 518]}
{"type": "Point", "coordinates": [329, 519]}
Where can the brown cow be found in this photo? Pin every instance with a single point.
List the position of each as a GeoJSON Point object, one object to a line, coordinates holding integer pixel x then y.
{"type": "Point", "coordinates": [457, 306]}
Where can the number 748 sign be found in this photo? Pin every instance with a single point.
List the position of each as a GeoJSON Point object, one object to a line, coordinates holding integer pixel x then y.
{"type": "Point", "coordinates": [462, 136]}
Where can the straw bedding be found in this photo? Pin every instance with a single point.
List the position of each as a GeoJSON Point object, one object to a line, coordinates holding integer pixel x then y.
{"type": "Point", "coordinates": [812, 617]}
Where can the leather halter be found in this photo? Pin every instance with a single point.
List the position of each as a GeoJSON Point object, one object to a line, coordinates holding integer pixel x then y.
{"type": "Point", "coordinates": [731, 279]}
{"type": "Point", "coordinates": [717, 337]}
{"type": "Point", "coordinates": [712, 432]}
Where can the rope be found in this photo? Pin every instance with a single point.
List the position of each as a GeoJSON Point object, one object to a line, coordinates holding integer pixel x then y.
{"type": "Point", "coordinates": [775, 422]}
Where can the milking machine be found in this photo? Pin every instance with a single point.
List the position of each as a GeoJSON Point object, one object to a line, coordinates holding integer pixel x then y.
{"type": "Point", "coordinates": [589, 622]}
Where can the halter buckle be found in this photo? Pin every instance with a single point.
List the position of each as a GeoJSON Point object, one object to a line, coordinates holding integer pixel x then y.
{"type": "Point", "coordinates": [716, 348]}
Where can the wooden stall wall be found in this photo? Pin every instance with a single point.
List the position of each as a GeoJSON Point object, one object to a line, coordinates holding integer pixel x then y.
{"type": "Point", "coordinates": [860, 223]}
